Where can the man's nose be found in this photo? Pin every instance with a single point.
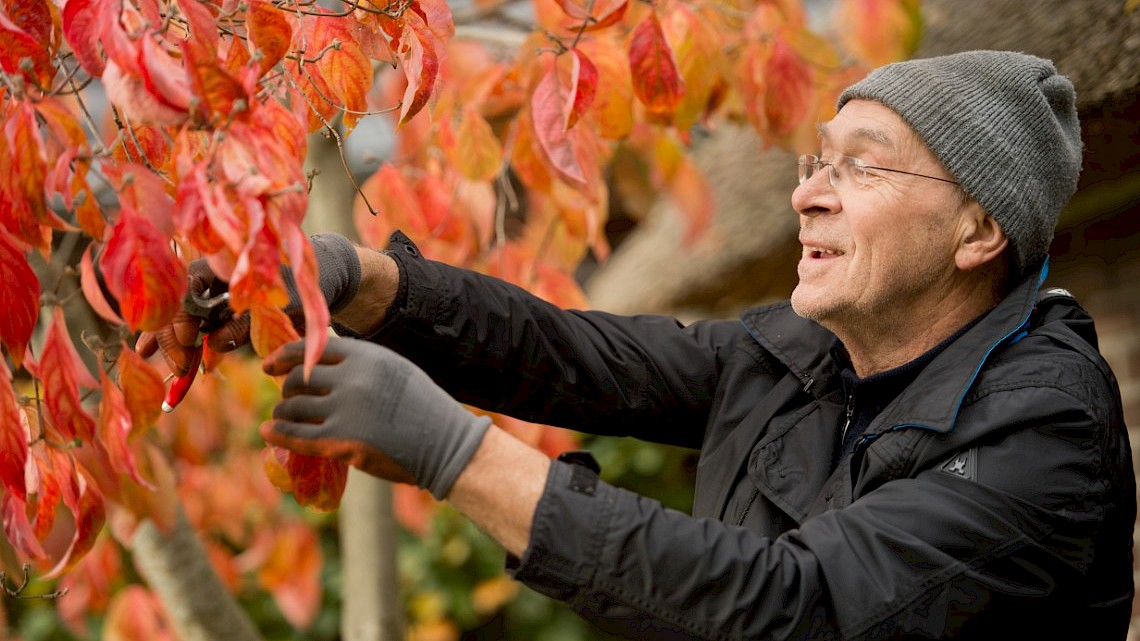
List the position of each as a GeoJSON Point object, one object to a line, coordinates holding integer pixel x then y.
{"type": "Point", "coordinates": [816, 196]}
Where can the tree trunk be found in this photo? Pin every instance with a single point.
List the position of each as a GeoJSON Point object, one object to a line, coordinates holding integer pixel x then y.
{"type": "Point", "coordinates": [176, 567]}
{"type": "Point", "coordinates": [372, 607]}
{"type": "Point", "coordinates": [372, 610]}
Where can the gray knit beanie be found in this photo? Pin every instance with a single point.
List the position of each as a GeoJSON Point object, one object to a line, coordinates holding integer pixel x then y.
{"type": "Point", "coordinates": [1004, 124]}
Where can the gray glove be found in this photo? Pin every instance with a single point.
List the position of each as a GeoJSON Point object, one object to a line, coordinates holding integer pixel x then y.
{"type": "Point", "coordinates": [368, 406]}
{"type": "Point", "coordinates": [339, 280]}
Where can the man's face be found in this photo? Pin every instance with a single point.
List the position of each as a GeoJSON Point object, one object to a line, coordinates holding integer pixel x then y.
{"type": "Point", "coordinates": [874, 254]}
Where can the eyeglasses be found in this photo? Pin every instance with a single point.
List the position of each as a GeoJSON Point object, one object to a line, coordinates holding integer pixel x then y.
{"type": "Point", "coordinates": [845, 169]}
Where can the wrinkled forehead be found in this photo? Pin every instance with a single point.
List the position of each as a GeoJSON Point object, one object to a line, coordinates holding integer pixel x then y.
{"type": "Point", "coordinates": [868, 126]}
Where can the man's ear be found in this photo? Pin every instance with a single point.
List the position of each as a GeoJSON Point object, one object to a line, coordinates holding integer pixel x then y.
{"type": "Point", "coordinates": [982, 239]}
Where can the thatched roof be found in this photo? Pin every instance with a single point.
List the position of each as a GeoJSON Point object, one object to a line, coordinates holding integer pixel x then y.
{"type": "Point", "coordinates": [751, 253]}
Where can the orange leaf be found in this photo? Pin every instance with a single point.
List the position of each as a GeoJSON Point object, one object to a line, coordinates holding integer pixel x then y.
{"type": "Point", "coordinates": [477, 153]}
{"type": "Point", "coordinates": [62, 373]}
{"type": "Point", "coordinates": [137, 615]}
{"type": "Point", "coordinates": [656, 81]}
{"type": "Point", "coordinates": [437, 17]}
{"type": "Point", "coordinates": [420, 63]}
{"type": "Point", "coordinates": [583, 87]}
{"type": "Point", "coordinates": [314, 481]}
{"type": "Point", "coordinates": [879, 31]}
{"type": "Point", "coordinates": [693, 196]}
{"type": "Point", "coordinates": [142, 272]}
{"type": "Point", "coordinates": [20, 291]}
{"type": "Point", "coordinates": [143, 390]}
{"type": "Point", "coordinates": [269, 33]}
{"type": "Point", "coordinates": [610, 13]}
{"type": "Point", "coordinates": [397, 207]}
{"type": "Point", "coordinates": [699, 60]}
{"type": "Point", "coordinates": [221, 96]}
{"type": "Point", "coordinates": [413, 508]}
{"type": "Point", "coordinates": [270, 328]}
{"type": "Point", "coordinates": [789, 88]}
{"type": "Point", "coordinates": [547, 105]}
{"type": "Point", "coordinates": [614, 99]}
{"type": "Point", "coordinates": [341, 75]}
{"type": "Point", "coordinates": [13, 438]}
{"type": "Point", "coordinates": [292, 573]}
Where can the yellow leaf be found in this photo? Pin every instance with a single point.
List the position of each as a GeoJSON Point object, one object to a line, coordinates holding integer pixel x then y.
{"type": "Point", "coordinates": [477, 153]}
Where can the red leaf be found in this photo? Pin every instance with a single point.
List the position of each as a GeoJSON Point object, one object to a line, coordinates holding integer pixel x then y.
{"type": "Point", "coordinates": [23, 172]}
{"type": "Point", "coordinates": [89, 514]}
{"type": "Point", "coordinates": [314, 481]}
{"type": "Point", "coordinates": [114, 429]}
{"type": "Point", "coordinates": [143, 389]}
{"type": "Point", "coordinates": [20, 291]}
{"type": "Point", "coordinates": [656, 81]}
{"type": "Point", "coordinates": [62, 373]}
{"type": "Point", "coordinates": [546, 106]}
{"type": "Point", "coordinates": [18, 528]}
{"type": "Point", "coordinates": [256, 278]}
{"type": "Point", "coordinates": [141, 188]}
{"type": "Point", "coordinates": [80, 29]}
{"type": "Point", "coordinates": [203, 27]}
{"type": "Point", "coordinates": [269, 32]}
{"type": "Point", "coordinates": [92, 292]}
{"type": "Point", "coordinates": [13, 438]}
{"type": "Point", "coordinates": [583, 87]}
{"type": "Point", "coordinates": [304, 267]}
{"type": "Point", "coordinates": [129, 93]}
{"type": "Point", "coordinates": [142, 272]}
{"type": "Point", "coordinates": [34, 18]}
{"type": "Point", "coordinates": [17, 44]}
{"type": "Point", "coordinates": [164, 76]}
{"type": "Point", "coordinates": [420, 63]}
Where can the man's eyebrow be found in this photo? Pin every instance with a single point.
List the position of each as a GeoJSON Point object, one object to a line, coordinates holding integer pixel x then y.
{"type": "Point", "coordinates": [865, 133]}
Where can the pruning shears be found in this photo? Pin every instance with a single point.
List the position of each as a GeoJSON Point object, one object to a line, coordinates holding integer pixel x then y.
{"type": "Point", "coordinates": [212, 310]}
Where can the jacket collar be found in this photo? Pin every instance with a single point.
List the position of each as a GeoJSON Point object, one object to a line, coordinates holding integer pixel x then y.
{"type": "Point", "coordinates": [933, 399]}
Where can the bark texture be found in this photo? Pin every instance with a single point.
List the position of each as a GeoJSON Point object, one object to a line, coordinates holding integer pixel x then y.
{"type": "Point", "coordinates": [176, 567]}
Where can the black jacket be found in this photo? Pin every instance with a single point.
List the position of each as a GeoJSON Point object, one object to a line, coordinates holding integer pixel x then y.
{"type": "Point", "coordinates": [993, 499]}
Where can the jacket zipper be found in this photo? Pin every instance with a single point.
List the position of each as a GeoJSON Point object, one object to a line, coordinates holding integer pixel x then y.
{"type": "Point", "coordinates": [849, 411]}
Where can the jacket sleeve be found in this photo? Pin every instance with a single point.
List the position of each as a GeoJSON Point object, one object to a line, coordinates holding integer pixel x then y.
{"type": "Point", "coordinates": [495, 346]}
{"type": "Point", "coordinates": [932, 556]}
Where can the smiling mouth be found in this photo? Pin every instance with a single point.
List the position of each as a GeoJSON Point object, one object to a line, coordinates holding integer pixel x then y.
{"type": "Point", "coordinates": [821, 252]}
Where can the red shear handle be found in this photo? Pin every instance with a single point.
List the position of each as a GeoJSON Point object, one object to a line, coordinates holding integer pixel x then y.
{"type": "Point", "coordinates": [181, 384]}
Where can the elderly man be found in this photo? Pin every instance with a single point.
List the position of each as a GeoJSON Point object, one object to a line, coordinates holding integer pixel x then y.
{"type": "Point", "coordinates": [920, 444]}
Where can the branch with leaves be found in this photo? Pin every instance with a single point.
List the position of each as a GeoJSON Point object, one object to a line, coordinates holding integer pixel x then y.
{"type": "Point", "coordinates": [506, 161]}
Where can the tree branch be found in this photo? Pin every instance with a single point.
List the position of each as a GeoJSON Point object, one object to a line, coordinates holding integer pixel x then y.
{"type": "Point", "coordinates": [176, 567]}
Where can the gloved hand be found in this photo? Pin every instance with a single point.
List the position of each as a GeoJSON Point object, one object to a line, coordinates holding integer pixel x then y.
{"type": "Point", "coordinates": [339, 279]}
{"type": "Point", "coordinates": [372, 408]}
